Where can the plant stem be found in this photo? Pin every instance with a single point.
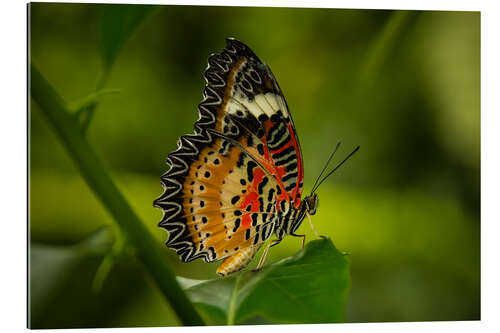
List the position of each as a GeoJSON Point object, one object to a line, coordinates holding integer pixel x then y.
{"type": "Point", "coordinates": [95, 174]}
{"type": "Point", "coordinates": [89, 110]}
{"type": "Point", "coordinates": [232, 304]}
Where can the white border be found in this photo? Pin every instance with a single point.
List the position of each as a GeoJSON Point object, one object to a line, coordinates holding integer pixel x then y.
{"type": "Point", "coordinates": [13, 163]}
{"type": "Point", "coordinates": [13, 148]}
{"type": "Point", "coordinates": [463, 5]}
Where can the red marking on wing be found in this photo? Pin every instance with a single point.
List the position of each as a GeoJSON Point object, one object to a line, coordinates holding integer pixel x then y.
{"type": "Point", "coordinates": [251, 198]}
{"type": "Point", "coordinates": [280, 171]}
{"type": "Point", "coordinates": [246, 221]}
{"type": "Point", "coordinates": [300, 167]}
{"type": "Point", "coordinates": [258, 174]}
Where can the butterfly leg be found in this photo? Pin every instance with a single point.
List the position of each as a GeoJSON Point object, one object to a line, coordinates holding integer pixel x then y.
{"type": "Point", "coordinates": [303, 238]}
{"type": "Point", "coordinates": [264, 254]}
{"type": "Point", "coordinates": [312, 227]}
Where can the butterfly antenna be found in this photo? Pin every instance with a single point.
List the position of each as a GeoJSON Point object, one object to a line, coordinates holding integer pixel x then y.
{"type": "Point", "coordinates": [338, 166]}
{"type": "Point", "coordinates": [326, 164]}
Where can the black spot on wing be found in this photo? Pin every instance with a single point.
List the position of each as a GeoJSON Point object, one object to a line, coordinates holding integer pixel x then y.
{"type": "Point", "coordinates": [291, 167]}
{"type": "Point", "coordinates": [283, 153]}
{"type": "Point", "coordinates": [270, 195]}
{"type": "Point", "coordinates": [260, 149]}
{"type": "Point", "coordinates": [237, 223]}
{"type": "Point", "coordinates": [250, 166]}
{"type": "Point", "coordinates": [284, 161]}
{"type": "Point", "coordinates": [235, 199]}
{"type": "Point", "coordinates": [290, 187]}
{"type": "Point", "coordinates": [256, 239]}
{"type": "Point", "coordinates": [289, 176]}
{"type": "Point", "coordinates": [241, 159]}
{"type": "Point", "coordinates": [254, 219]}
{"type": "Point", "coordinates": [262, 184]}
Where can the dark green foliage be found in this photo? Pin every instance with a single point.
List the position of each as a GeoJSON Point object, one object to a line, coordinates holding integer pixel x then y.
{"type": "Point", "coordinates": [406, 208]}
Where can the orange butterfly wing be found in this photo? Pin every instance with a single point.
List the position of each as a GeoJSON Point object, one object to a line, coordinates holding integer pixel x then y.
{"type": "Point", "coordinates": [239, 177]}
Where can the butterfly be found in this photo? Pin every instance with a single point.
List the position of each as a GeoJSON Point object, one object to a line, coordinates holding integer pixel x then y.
{"type": "Point", "coordinates": [238, 179]}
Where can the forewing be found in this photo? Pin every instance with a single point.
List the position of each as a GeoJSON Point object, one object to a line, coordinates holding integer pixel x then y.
{"type": "Point", "coordinates": [252, 104]}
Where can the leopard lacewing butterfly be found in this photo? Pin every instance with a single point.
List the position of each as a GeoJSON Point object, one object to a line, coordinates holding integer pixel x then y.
{"type": "Point", "coordinates": [238, 179]}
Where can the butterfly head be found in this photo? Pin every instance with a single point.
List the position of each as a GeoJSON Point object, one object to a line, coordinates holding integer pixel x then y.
{"type": "Point", "coordinates": [308, 206]}
{"type": "Point", "coordinates": [311, 203]}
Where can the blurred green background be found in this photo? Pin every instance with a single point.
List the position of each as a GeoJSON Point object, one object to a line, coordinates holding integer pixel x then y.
{"type": "Point", "coordinates": [403, 85]}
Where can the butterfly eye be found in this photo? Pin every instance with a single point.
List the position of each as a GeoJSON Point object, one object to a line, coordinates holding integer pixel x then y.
{"type": "Point", "coordinates": [312, 204]}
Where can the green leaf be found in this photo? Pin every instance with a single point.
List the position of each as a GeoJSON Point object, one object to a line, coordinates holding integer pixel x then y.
{"type": "Point", "coordinates": [118, 22]}
{"type": "Point", "coordinates": [309, 287]}
{"type": "Point", "coordinates": [51, 265]}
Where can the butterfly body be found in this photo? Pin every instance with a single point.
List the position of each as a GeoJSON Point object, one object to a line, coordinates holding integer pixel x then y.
{"type": "Point", "coordinates": [237, 180]}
